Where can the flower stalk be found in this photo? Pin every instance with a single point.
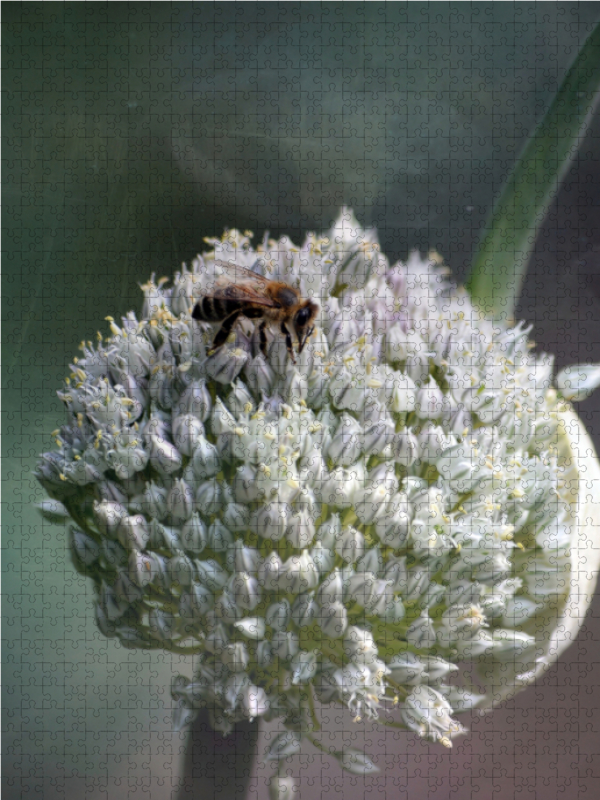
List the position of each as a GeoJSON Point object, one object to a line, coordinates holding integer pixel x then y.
{"type": "Point", "coordinates": [508, 239]}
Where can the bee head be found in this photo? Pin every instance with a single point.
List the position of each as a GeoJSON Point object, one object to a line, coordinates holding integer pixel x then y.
{"type": "Point", "coordinates": [303, 319]}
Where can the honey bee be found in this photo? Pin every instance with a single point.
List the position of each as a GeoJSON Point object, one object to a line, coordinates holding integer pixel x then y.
{"type": "Point", "coordinates": [238, 292]}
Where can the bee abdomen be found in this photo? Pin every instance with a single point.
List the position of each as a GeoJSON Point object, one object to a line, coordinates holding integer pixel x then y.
{"type": "Point", "coordinates": [214, 309]}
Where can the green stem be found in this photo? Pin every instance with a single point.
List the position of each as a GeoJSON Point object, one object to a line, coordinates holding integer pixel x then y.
{"type": "Point", "coordinates": [318, 744]}
{"type": "Point", "coordinates": [313, 711]}
{"type": "Point", "coordinates": [508, 239]}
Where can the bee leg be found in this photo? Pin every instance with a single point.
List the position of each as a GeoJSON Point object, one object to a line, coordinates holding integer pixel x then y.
{"type": "Point", "coordinates": [306, 338]}
{"type": "Point", "coordinates": [288, 342]}
{"type": "Point", "coordinates": [263, 338]}
{"type": "Point", "coordinates": [225, 330]}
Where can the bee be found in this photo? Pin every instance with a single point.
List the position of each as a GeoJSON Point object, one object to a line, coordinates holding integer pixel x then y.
{"type": "Point", "coordinates": [238, 292]}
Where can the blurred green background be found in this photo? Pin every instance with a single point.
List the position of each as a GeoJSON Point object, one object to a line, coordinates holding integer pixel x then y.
{"type": "Point", "coordinates": [132, 131]}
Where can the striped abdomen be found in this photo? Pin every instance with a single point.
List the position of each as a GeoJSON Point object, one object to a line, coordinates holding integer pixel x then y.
{"type": "Point", "coordinates": [215, 309]}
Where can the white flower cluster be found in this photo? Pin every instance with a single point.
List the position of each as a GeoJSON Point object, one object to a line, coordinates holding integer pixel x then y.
{"type": "Point", "coordinates": [348, 527]}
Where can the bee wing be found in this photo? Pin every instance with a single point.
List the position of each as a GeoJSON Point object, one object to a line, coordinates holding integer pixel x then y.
{"type": "Point", "coordinates": [225, 273]}
{"type": "Point", "coordinates": [233, 282]}
{"type": "Point", "coordinates": [244, 294]}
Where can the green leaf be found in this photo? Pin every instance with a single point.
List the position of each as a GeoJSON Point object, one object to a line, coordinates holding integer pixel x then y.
{"type": "Point", "coordinates": [509, 236]}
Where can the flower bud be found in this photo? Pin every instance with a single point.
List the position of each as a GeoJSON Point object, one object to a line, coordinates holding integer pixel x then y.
{"type": "Point", "coordinates": [255, 702]}
{"type": "Point", "coordinates": [226, 607]}
{"type": "Point", "coordinates": [225, 363]}
{"type": "Point", "coordinates": [405, 448]}
{"type": "Point", "coordinates": [429, 400]}
{"type": "Point", "coordinates": [271, 521]}
{"type": "Point", "coordinates": [218, 537]}
{"type": "Point", "coordinates": [246, 591]}
{"type": "Point", "coordinates": [221, 419]}
{"type": "Point", "coordinates": [235, 657]}
{"type": "Point", "coordinates": [108, 515]}
{"type": "Point", "coordinates": [341, 487]}
{"type": "Point", "coordinates": [162, 624]}
{"type": "Point", "coordinates": [359, 645]}
{"type": "Point", "coordinates": [510, 645]}
{"type": "Point", "coordinates": [317, 389]}
{"type": "Point", "coordinates": [577, 382]}
{"type": "Point", "coordinates": [312, 467]}
{"type": "Point", "coordinates": [278, 615]}
{"type": "Point", "coordinates": [187, 431]}
{"type": "Point", "coordinates": [379, 437]}
{"type": "Point", "coordinates": [284, 645]}
{"type": "Point", "coordinates": [163, 456]}
{"type": "Point", "coordinates": [437, 668]}
{"type": "Point", "coordinates": [300, 573]}
{"type": "Point", "coordinates": [393, 526]}
{"type": "Point", "coordinates": [350, 545]}
{"type": "Point", "coordinates": [381, 598]}
{"type": "Point", "coordinates": [209, 499]}
{"type": "Point", "coordinates": [332, 588]}
{"type": "Point", "coordinates": [433, 442]}
{"type": "Point", "coordinates": [264, 654]}
{"type": "Point", "coordinates": [283, 746]}
{"type": "Point", "coordinates": [211, 574]}
{"type": "Point", "coordinates": [181, 571]}
{"type": "Point", "coordinates": [304, 610]}
{"type": "Point", "coordinates": [154, 502]}
{"type": "Point", "coordinates": [205, 460]}
{"type": "Point", "coordinates": [193, 535]}
{"type": "Point", "coordinates": [112, 605]}
{"type": "Point", "coordinates": [270, 572]}
{"type": "Point", "coordinates": [196, 602]}
{"type": "Point", "coordinates": [113, 553]}
{"type": "Point", "coordinates": [347, 442]}
{"type": "Point", "coordinates": [329, 531]}
{"type": "Point", "coordinates": [251, 627]}
{"type": "Point", "coordinates": [236, 517]}
{"type": "Point", "coordinates": [371, 502]}
{"type": "Point", "coordinates": [245, 485]}
{"type": "Point", "coordinates": [300, 530]}
{"type": "Point", "coordinates": [143, 568]}
{"type": "Point", "coordinates": [84, 548]}
{"type": "Point", "coordinates": [427, 712]}
{"type": "Point", "coordinates": [303, 667]}
{"type": "Point", "coordinates": [160, 386]}
{"type": "Point", "coordinates": [240, 399]}
{"type": "Point", "coordinates": [180, 502]}
{"type": "Point", "coordinates": [241, 558]}
{"type": "Point", "coordinates": [399, 344]}
{"type": "Point", "coordinates": [421, 633]}
{"type": "Point", "coordinates": [163, 537]}
{"type": "Point", "coordinates": [404, 394]}
{"type": "Point", "coordinates": [217, 640]}
{"type": "Point", "coordinates": [260, 376]}
{"type": "Point", "coordinates": [133, 532]}
{"type": "Point", "coordinates": [323, 557]}
{"type": "Point", "coordinates": [296, 387]}
{"type": "Point", "coordinates": [360, 588]}
{"type": "Point", "coordinates": [283, 788]}
{"type": "Point", "coordinates": [357, 762]}
{"type": "Point", "coordinates": [344, 391]}
{"type": "Point", "coordinates": [333, 619]}
{"type": "Point", "coordinates": [394, 611]}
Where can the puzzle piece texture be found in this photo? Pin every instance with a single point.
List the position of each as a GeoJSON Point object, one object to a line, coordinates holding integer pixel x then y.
{"type": "Point", "coordinates": [292, 515]}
